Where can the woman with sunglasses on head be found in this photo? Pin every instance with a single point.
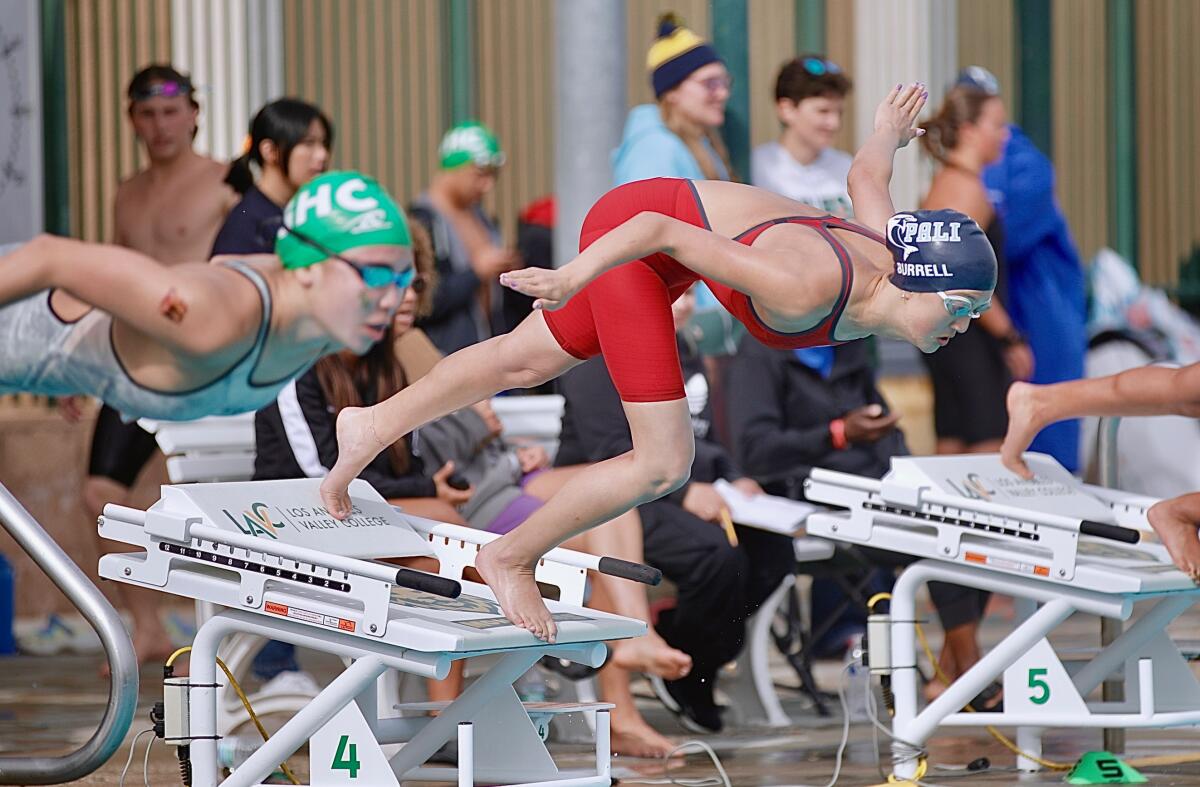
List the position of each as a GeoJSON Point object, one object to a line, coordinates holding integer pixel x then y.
{"type": "Point", "coordinates": [289, 144]}
{"type": "Point", "coordinates": [793, 276]}
{"type": "Point", "coordinates": [803, 165]}
{"type": "Point", "coordinates": [199, 339]}
{"type": "Point", "coordinates": [971, 377]}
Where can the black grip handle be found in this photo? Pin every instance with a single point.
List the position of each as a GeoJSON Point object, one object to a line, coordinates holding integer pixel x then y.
{"type": "Point", "coordinates": [624, 569]}
{"type": "Point", "coordinates": [428, 583]}
{"type": "Point", "coordinates": [1125, 535]}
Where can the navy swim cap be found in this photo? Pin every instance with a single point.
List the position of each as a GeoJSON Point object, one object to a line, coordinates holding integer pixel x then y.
{"type": "Point", "coordinates": [937, 250]}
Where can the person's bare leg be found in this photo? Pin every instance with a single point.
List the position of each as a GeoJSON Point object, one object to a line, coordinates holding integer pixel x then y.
{"type": "Point", "coordinates": [528, 356]}
{"type": "Point", "coordinates": [150, 639]}
{"type": "Point", "coordinates": [660, 461]}
{"type": "Point", "coordinates": [546, 484]}
{"type": "Point", "coordinates": [631, 735]}
{"type": "Point", "coordinates": [447, 689]}
{"type": "Point", "coordinates": [985, 447]}
{"type": "Point", "coordinates": [429, 508]}
{"type": "Point", "coordinates": [950, 445]}
{"type": "Point", "coordinates": [622, 538]}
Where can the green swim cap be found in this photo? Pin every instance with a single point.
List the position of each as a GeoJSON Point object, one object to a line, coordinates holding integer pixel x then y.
{"type": "Point", "coordinates": [338, 211]}
{"type": "Point", "coordinates": [470, 142]}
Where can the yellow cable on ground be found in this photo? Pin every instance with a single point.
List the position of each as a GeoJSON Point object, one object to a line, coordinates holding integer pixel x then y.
{"type": "Point", "coordinates": [245, 704]}
{"type": "Point", "coordinates": [999, 736]}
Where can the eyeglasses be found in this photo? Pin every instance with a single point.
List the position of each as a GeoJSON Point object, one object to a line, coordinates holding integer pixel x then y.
{"type": "Point", "coordinates": [959, 306]}
{"type": "Point", "coordinates": [819, 67]}
{"type": "Point", "coordinates": [373, 275]}
{"type": "Point", "coordinates": [716, 84]}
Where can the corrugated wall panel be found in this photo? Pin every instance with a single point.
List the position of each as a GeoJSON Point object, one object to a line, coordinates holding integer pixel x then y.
{"type": "Point", "coordinates": [1081, 119]}
{"type": "Point", "coordinates": [985, 38]}
{"type": "Point", "coordinates": [772, 43]}
{"type": "Point", "coordinates": [1168, 129]}
{"type": "Point", "coordinates": [640, 28]}
{"type": "Point", "coordinates": [387, 118]}
{"type": "Point", "coordinates": [515, 93]}
{"type": "Point", "coordinates": [839, 40]}
{"type": "Point", "coordinates": [107, 41]}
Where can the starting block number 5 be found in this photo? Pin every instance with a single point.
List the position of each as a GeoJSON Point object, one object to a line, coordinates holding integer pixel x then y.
{"type": "Point", "coordinates": [1037, 681]}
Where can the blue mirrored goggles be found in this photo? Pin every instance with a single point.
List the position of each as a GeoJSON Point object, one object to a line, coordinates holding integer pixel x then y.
{"type": "Point", "coordinates": [819, 67]}
{"type": "Point", "coordinates": [374, 275]}
{"type": "Point", "coordinates": [959, 306]}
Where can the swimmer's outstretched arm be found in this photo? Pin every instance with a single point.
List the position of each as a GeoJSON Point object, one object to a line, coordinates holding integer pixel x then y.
{"type": "Point", "coordinates": [871, 173]}
{"type": "Point", "coordinates": [745, 268]}
{"type": "Point", "coordinates": [182, 306]}
{"type": "Point", "coordinates": [1149, 390]}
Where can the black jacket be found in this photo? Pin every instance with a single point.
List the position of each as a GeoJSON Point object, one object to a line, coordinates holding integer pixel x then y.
{"type": "Point", "coordinates": [451, 324]}
{"type": "Point", "coordinates": [304, 444]}
{"type": "Point", "coordinates": [594, 426]}
{"type": "Point", "coordinates": [780, 410]}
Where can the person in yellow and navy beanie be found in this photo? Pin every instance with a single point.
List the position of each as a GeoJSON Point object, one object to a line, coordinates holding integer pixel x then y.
{"type": "Point", "coordinates": [675, 54]}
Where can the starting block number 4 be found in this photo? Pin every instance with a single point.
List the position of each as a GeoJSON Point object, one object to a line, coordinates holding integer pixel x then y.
{"type": "Point", "coordinates": [1037, 682]}
{"type": "Point", "coordinates": [346, 761]}
{"type": "Point", "coordinates": [345, 751]}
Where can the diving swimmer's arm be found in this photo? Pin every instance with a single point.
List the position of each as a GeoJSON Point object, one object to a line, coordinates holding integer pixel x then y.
{"type": "Point", "coordinates": [871, 172]}
{"type": "Point", "coordinates": [756, 272]}
{"type": "Point", "coordinates": [1149, 390]}
{"type": "Point", "coordinates": [181, 306]}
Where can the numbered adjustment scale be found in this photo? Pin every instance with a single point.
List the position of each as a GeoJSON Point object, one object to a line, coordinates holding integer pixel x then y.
{"type": "Point", "coordinates": [278, 566]}
{"type": "Point", "coordinates": [1062, 547]}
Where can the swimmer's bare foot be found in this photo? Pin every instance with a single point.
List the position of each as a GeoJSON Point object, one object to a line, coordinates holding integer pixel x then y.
{"type": "Point", "coordinates": [651, 655]}
{"type": "Point", "coordinates": [1178, 533]}
{"type": "Point", "coordinates": [512, 582]}
{"type": "Point", "coordinates": [358, 444]}
{"type": "Point", "coordinates": [1024, 422]}
{"type": "Point", "coordinates": [633, 737]}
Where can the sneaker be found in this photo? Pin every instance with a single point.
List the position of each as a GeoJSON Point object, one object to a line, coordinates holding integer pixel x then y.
{"type": "Point", "coordinates": [291, 682]}
{"type": "Point", "coordinates": [51, 639]}
{"type": "Point", "coordinates": [691, 700]}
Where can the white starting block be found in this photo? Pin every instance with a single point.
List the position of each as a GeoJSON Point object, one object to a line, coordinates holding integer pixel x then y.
{"type": "Point", "coordinates": [1065, 546]}
{"type": "Point", "coordinates": [286, 570]}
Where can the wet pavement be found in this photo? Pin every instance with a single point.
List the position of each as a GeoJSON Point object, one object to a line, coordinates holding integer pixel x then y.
{"type": "Point", "coordinates": [52, 704]}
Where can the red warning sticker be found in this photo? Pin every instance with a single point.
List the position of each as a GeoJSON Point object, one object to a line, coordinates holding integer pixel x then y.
{"type": "Point", "coordinates": [1007, 564]}
{"type": "Point", "coordinates": [315, 618]}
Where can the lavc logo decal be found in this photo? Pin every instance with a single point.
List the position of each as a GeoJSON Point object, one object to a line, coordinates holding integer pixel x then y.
{"type": "Point", "coordinates": [256, 521]}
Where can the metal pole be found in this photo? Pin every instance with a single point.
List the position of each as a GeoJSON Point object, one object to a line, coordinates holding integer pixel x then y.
{"type": "Point", "coordinates": [590, 97]}
{"type": "Point", "coordinates": [122, 694]}
{"type": "Point", "coordinates": [1113, 689]}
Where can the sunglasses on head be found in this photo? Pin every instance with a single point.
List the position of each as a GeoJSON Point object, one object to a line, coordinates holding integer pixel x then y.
{"type": "Point", "coordinates": [374, 275]}
{"type": "Point", "coordinates": [819, 67]}
{"type": "Point", "coordinates": [959, 306]}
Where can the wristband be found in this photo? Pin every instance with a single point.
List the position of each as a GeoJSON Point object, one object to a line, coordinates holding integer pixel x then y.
{"type": "Point", "coordinates": [837, 433]}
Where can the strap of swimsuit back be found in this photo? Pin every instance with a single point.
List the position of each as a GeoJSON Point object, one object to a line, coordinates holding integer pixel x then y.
{"type": "Point", "coordinates": [264, 292]}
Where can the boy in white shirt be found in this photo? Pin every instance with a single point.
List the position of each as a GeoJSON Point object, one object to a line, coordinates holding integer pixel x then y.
{"type": "Point", "coordinates": [810, 94]}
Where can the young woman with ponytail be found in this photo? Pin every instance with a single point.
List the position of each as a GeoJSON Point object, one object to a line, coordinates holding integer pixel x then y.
{"type": "Point", "coordinates": [971, 377]}
{"type": "Point", "coordinates": [288, 145]}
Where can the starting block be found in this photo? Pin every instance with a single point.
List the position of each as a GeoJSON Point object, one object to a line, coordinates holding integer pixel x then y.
{"type": "Point", "coordinates": [283, 568]}
{"type": "Point", "coordinates": [1062, 546]}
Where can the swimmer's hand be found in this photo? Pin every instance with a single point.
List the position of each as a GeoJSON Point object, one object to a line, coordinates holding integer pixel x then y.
{"type": "Point", "coordinates": [1024, 422]}
{"type": "Point", "coordinates": [550, 287]}
{"type": "Point", "coordinates": [898, 111]}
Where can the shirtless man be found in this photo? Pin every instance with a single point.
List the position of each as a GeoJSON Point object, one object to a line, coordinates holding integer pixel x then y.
{"type": "Point", "coordinates": [1149, 390]}
{"type": "Point", "coordinates": [171, 211]}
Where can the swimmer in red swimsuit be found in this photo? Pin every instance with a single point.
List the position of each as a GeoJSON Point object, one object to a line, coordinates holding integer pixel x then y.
{"type": "Point", "coordinates": [794, 276]}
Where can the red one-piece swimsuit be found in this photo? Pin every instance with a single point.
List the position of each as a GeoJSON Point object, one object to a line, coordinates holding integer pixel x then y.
{"type": "Point", "coordinates": [625, 313]}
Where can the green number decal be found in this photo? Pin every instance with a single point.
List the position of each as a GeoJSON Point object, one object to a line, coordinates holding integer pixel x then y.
{"type": "Point", "coordinates": [342, 762]}
{"type": "Point", "coordinates": [1036, 682]}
